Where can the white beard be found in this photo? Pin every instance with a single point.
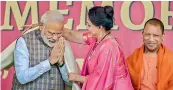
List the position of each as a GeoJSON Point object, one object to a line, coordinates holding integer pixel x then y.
{"type": "Point", "coordinates": [46, 41]}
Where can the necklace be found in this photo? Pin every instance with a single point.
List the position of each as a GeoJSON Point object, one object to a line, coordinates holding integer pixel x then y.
{"type": "Point", "coordinates": [102, 38]}
{"type": "Point", "coordinates": [97, 44]}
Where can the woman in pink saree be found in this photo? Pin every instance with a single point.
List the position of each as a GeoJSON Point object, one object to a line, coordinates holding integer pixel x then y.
{"type": "Point", "coordinates": [104, 67]}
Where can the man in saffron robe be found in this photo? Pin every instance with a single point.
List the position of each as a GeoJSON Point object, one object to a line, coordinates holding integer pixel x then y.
{"type": "Point", "coordinates": [151, 65]}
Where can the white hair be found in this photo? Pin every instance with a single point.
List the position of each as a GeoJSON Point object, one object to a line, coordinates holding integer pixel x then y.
{"type": "Point", "coordinates": [51, 15]}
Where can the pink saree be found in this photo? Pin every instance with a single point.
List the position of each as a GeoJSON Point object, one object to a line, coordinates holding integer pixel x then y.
{"type": "Point", "coordinates": [105, 67]}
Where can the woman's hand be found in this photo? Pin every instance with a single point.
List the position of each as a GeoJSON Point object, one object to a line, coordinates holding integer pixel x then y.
{"type": "Point", "coordinates": [73, 36]}
{"type": "Point", "coordinates": [74, 77]}
{"type": "Point", "coordinates": [27, 27]}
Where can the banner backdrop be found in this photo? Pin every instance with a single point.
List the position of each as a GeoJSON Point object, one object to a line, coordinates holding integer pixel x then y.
{"type": "Point", "coordinates": [129, 21]}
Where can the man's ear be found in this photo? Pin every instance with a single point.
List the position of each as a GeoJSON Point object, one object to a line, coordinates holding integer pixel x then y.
{"type": "Point", "coordinates": [40, 24]}
{"type": "Point", "coordinates": [142, 32]}
{"type": "Point", "coordinates": [41, 27]}
{"type": "Point", "coordinates": [163, 37]}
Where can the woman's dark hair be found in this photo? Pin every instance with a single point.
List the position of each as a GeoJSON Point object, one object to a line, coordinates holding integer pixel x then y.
{"type": "Point", "coordinates": [102, 16]}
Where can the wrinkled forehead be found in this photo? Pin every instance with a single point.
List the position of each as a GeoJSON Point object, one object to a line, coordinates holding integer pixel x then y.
{"type": "Point", "coordinates": [152, 29]}
{"type": "Point", "coordinates": [55, 26]}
